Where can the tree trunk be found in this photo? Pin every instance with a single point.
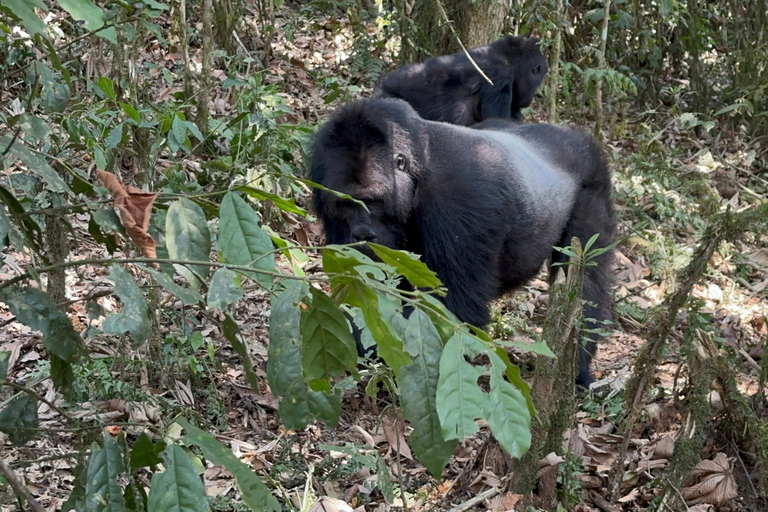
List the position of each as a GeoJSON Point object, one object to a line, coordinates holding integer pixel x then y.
{"type": "Point", "coordinates": [437, 26]}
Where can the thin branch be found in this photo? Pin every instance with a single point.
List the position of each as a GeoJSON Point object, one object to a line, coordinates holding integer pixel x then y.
{"type": "Point", "coordinates": [18, 487]}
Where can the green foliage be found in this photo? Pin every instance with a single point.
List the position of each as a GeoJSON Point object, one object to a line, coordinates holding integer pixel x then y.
{"type": "Point", "coordinates": [178, 487]}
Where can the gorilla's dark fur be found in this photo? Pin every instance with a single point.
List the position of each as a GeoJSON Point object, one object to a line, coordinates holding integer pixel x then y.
{"type": "Point", "coordinates": [450, 89]}
{"type": "Point", "coordinates": [483, 206]}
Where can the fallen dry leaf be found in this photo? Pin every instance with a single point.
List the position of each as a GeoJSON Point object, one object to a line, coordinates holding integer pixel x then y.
{"type": "Point", "coordinates": [711, 481]}
{"type": "Point", "coordinates": [135, 208]}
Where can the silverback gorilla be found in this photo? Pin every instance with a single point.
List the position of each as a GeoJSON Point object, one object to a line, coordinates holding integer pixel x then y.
{"type": "Point", "coordinates": [450, 89]}
{"type": "Point", "coordinates": [483, 206]}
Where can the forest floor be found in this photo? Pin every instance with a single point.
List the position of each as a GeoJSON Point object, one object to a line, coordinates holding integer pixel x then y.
{"type": "Point", "coordinates": [733, 302]}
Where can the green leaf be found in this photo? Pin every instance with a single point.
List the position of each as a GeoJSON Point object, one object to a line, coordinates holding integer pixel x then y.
{"type": "Point", "coordinates": [288, 205]}
{"type": "Point", "coordinates": [25, 11]}
{"type": "Point", "coordinates": [84, 10]}
{"type": "Point", "coordinates": [194, 130]}
{"type": "Point", "coordinates": [284, 351]}
{"type": "Point", "coordinates": [328, 348]}
{"type": "Point", "coordinates": [115, 136]}
{"type": "Point", "coordinates": [390, 346]}
{"type": "Point", "coordinates": [131, 111]}
{"type": "Point", "coordinates": [232, 333]}
{"type": "Point", "coordinates": [418, 388]}
{"type": "Point", "coordinates": [36, 165]}
{"type": "Point", "coordinates": [178, 488]}
{"type": "Point", "coordinates": [37, 310]}
{"type": "Point", "coordinates": [538, 347]}
{"type": "Point", "coordinates": [340, 260]}
{"type": "Point", "coordinates": [103, 492]}
{"type": "Point", "coordinates": [107, 87]}
{"type": "Point", "coordinates": [508, 414]}
{"type": "Point", "coordinates": [179, 129]}
{"type": "Point", "coordinates": [188, 296]}
{"type": "Point", "coordinates": [188, 239]}
{"type": "Point", "coordinates": [513, 375]}
{"type": "Point", "coordinates": [255, 494]}
{"type": "Point", "coordinates": [459, 399]}
{"type": "Point", "coordinates": [146, 453]}
{"type": "Point", "coordinates": [385, 480]}
{"type": "Point", "coordinates": [34, 126]}
{"type": "Point", "coordinates": [5, 357]}
{"type": "Point", "coordinates": [19, 419]}
{"type": "Point", "coordinates": [224, 289]}
{"type": "Point", "coordinates": [134, 315]}
{"type": "Point", "coordinates": [242, 241]}
{"type": "Point", "coordinates": [299, 406]}
{"type": "Point", "coordinates": [409, 265]}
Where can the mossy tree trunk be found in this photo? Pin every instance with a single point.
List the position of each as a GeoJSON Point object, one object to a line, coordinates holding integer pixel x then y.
{"type": "Point", "coordinates": [434, 27]}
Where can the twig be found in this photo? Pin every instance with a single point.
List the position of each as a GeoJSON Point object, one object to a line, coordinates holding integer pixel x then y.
{"type": "Point", "coordinates": [19, 487]}
{"type": "Point", "coordinates": [488, 493]}
{"type": "Point", "coordinates": [453, 31]}
{"type": "Point", "coordinates": [40, 398]}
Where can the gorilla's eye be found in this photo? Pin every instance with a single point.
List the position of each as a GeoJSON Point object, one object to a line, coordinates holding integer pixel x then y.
{"type": "Point", "coordinates": [537, 69]}
{"type": "Point", "coordinates": [400, 162]}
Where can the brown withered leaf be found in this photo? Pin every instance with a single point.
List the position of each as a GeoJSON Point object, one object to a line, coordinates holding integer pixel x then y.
{"type": "Point", "coordinates": [135, 208]}
{"type": "Point", "coordinates": [711, 481]}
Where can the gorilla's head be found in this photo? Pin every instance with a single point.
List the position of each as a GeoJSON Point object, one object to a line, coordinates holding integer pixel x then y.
{"type": "Point", "coordinates": [529, 66]}
{"type": "Point", "coordinates": [369, 150]}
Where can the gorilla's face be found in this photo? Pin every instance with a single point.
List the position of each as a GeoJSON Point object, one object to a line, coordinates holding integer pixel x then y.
{"type": "Point", "coordinates": [533, 69]}
{"type": "Point", "coordinates": [383, 185]}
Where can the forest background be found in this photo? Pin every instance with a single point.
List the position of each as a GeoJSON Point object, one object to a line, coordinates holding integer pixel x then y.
{"type": "Point", "coordinates": [159, 265]}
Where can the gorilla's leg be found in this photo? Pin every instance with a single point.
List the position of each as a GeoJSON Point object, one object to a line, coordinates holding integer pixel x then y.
{"type": "Point", "coordinates": [592, 214]}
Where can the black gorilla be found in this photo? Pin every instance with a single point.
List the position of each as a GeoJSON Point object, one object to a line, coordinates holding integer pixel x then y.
{"type": "Point", "coordinates": [483, 206]}
{"type": "Point", "coordinates": [451, 90]}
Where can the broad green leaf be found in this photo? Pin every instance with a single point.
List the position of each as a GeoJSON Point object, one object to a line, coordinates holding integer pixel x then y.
{"type": "Point", "coordinates": [385, 480]}
{"type": "Point", "coordinates": [508, 414]}
{"type": "Point", "coordinates": [284, 351]}
{"type": "Point", "coordinates": [296, 256]}
{"type": "Point", "coordinates": [339, 260]}
{"type": "Point", "coordinates": [178, 488]}
{"type": "Point", "coordinates": [242, 241]}
{"type": "Point", "coordinates": [115, 136]}
{"type": "Point", "coordinates": [5, 356]}
{"type": "Point", "coordinates": [36, 165]}
{"type": "Point", "coordinates": [299, 406]}
{"type": "Point", "coordinates": [108, 220]}
{"type": "Point", "coordinates": [107, 87]}
{"type": "Point", "coordinates": [232, 333]}
{"type": "Point", "coordinates": [538, 347]}
{"type": "Point", "coordinates": [134, 315]}
{"type": "Point", "coordinates": [5, 231]}
{"type": "Point", "coordinates": [288, 205]}
{"type": "Point", "coordinates": [25, 11]}
{"type": "Point", "coordinates": [84, 10]}
{"type": "Point", "coordinates": [255, 494]}
{"type": "Point", "coordinates": [459, 399]}
{"type": "Point", "coordinates": [145, 452]}
{"type": "Point", "coordinates": [188, 239]}
{"type": "Point", "coordinates": [55, 94]}
{"type": "Point", "coordinates": [34, 126]}
{"type": "Point", "coordinates": [409, 265]}
{"type": "Point", "coordinates": [418, 393]}
{"type": "Point", "coordinates": [390, 346]}
{"type": "Point", "coordinates": [179, 129]}
{"type": "Point", "coordinates": [327, 346]}
{"type": "Point", "coordinates": [19, 419]}
{"type": "Point", "coordinates": [224, 289]}
{"type": "Point", "coordinates": [513, 375]}
{"type": "Point", "coordinates": [37, 310]}
{"type": "Point", "coordinates": [62, 375]}
{"type": "Point", "coordinates": [103, 492]}
{"type": "Point", "coordinates": [188, 296]}
{"type": "Point", "coordinates": [192, 127]}
{"type": "Point", "coordinates": [131, 111]}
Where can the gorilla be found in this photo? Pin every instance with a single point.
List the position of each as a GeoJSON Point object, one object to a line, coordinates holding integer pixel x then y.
{"type": "Point", "coordinates": [450, 89]}
{"type": "Point", "coordinates": [483, 206]}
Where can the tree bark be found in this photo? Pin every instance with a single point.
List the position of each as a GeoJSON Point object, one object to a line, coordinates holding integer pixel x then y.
{"type": "Point", "coordinates": [437, 26]}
